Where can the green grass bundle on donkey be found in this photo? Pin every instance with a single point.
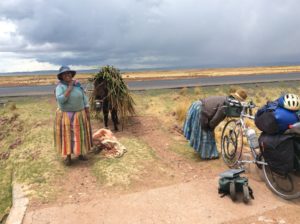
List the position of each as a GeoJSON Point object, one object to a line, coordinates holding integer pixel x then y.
{"type": "Point", "coordinates": [111, 94]}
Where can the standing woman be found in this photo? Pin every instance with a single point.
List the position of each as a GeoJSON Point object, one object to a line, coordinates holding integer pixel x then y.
{"type": "Point", "coordinates": [202, 118]}
{"type": "Point", "coordinates": [72, 130]}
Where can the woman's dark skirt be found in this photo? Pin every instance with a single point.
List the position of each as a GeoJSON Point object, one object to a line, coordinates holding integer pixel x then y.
{"type": "Point", "coordinates": [202, 141]}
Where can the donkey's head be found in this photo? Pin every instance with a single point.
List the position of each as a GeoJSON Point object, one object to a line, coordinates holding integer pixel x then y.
{"type": "Point", "coordinates": [100, 92]}
{"type": "Point", "coordinates": [100, 89]}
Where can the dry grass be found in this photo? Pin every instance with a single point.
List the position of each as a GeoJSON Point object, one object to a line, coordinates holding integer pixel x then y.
{"type": "Point", "coordinates": [123, 171]}
{"type": "Point", "coordinates": [36, 80]}
{"type": "Point", "coordinates": [181, 110]}
{"type": "Point", "coordinates": [33, 160]}
{"type": "Point", "coordinates": [211, 72]}
{"type": "Point", "coordinates": [183, 91]}
{"type": "Point", "coordinates": [162, 74]}
{"type": "Point", "coordinates": [197, 91]}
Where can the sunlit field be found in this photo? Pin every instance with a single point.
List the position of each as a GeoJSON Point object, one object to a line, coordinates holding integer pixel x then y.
{"type": "Point", "coordinates": [163, 74]}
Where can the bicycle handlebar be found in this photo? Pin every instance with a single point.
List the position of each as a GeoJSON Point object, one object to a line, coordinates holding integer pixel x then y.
{"type": "Point", "coordinates": [234, 102]}
{"type": "Point", "coordinates": [246, 107]}
{"type": "Point", "coordinates": [250, 104]}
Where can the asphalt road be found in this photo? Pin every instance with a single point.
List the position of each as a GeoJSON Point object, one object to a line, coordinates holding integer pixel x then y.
{"type": "Point", "coordinates": [162, 84]}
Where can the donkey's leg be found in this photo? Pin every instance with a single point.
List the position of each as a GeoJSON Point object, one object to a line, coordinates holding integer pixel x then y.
{"type": "Point", "coordinates": [105, 114]}
{"type": "Point", "coordinates": [117, 118]}
{"type": "Point", "coordinates": [114, 117]}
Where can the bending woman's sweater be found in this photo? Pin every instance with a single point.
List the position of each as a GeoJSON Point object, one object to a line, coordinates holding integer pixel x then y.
{"type": "Point", "coordinates": [213, 112]}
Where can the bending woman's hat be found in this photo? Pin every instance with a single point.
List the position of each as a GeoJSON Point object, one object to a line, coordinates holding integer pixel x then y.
{"type": "Point", "coordinates": [63, 69]}
{"type": "Point", "coordinates": [240, 95]}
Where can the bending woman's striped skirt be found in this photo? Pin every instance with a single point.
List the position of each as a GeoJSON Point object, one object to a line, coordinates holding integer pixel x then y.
{"type": "Point", "coordinates": [72, 133]}
{"type": "Point", "coordinates": [202, 141]}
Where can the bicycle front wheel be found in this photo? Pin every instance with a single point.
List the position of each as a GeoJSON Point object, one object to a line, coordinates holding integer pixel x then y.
{"type": "Point", "coordinates": [232, 143]}
{"type": "Point", "coordinates": [285, 186]}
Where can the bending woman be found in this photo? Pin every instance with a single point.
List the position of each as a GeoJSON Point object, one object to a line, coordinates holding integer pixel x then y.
{"type": "Point", "coordinates": [202, 118]}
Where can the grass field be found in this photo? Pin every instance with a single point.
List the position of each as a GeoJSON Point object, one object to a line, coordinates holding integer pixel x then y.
{"type": "Point", "coordinates": [161, 74]}
{"type": "Point", "coordinates": [26, 142]}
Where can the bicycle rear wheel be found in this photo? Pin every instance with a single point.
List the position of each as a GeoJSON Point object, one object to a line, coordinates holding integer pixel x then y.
{"type": "Point", "coordinates": [232, 143]}
{"type": "Point", "coordinates": [285, 186]}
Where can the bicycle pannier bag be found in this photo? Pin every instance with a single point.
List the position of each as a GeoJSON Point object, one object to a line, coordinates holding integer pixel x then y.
{"type": "Point", "coordinates": [278, 152]}
{"type": "Point", "coordinates": [297, 153]}
{"type": "Point", "coordinates": [233, 108]}
{"type": "Point", "coordinates": [232, 177]}
{"type": "Point", "coordinates": [273, 119]}
{"type": "Point", "coordinates": [284, 118]}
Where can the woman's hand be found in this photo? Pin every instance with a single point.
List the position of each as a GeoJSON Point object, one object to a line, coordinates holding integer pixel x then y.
{"type": "Point", "coordinates": [69, 89]}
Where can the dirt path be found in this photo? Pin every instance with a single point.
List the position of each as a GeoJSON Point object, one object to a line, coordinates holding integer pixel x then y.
{"type": "Point", "coordinates": [186, 194]}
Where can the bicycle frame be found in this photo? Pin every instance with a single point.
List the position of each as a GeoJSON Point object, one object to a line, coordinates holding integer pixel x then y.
{"type": "Point", "coordinates": [244, 114]}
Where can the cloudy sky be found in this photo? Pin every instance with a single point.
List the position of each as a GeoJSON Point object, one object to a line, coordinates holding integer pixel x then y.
{"type": "Point", "coordinates": [134, 34]}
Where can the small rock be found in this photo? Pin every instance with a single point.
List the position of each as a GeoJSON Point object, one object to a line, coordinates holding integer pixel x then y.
{"type": "Point", "coordinates": [4, 155]}
{"type": "Point", "coordinates": [261, 218]}
{"type": "Point", "coordinates": [15, 144]}
{"type": "Point", "coordinates": [265, 219]}
{"type": "Point", "coordinates": [38, 124]}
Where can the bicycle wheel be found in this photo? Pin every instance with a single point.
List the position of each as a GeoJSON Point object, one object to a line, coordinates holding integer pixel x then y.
{"type": "Point", "coordinates": [232, 143]}
{"type": "Point", "coordinates": [285, 186]}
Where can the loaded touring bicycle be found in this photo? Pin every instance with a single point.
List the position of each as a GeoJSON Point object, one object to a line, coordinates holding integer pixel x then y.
{"type": "Point", "coordinates": [236, 133]}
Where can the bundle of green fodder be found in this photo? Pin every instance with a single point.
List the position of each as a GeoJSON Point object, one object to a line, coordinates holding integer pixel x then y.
{"type": "Point", "coordinates": [118, 92]}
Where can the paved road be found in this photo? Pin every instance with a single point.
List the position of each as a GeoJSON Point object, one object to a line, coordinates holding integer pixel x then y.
{"type": "Point", "coordinates": [163, 84]}
{"type": "Point", "coordinates": [185, 203]}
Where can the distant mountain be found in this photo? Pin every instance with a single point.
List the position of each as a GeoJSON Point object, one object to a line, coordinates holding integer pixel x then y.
{"type": "Point", "coordinates": [51, 72]}
{"type": "Point", "coordinates": [47, 72]}
{"type": "Point", "coordinates": [206, 66]}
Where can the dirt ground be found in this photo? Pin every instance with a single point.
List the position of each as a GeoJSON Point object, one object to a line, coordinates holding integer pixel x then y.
{"type": "Point", "coordinates": [181, 192]}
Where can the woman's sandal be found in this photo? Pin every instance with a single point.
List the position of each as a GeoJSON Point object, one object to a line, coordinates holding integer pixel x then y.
{"type": "Point", "coordinates": [68, 160]}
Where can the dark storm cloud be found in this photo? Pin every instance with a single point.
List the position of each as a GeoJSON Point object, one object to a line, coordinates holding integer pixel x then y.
{"type": "Point", "coordinates": [154, 33]}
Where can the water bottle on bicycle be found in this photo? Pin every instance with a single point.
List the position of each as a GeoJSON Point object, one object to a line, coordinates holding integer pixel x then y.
{"type": "Point", "coordinates": [252, 138]}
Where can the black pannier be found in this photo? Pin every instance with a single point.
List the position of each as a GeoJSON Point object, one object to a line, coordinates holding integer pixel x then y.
{"type": "Point", "coordinates": [273, 119]}
{"type": "Point", "coordinates": [267, 123]}
{"type": "Point", "coordinates": [297, 153]}
{"type": "Point", "coordinates": [265, 119]}
{"type": "Point", "coordinates": [278, 152]}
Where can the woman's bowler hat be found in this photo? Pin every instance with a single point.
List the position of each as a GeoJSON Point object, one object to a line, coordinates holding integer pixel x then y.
{"type": "Point", "coordinates": [64, 69]}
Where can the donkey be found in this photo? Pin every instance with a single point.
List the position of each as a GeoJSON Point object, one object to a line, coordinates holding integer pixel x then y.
{"type": "Point", "coordinates": [103, 103]}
